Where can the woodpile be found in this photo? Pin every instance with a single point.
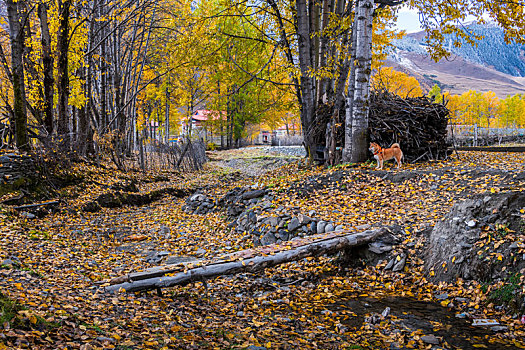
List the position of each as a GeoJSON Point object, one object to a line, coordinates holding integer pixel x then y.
{"type": "Point", "coordinates": [417, 124]}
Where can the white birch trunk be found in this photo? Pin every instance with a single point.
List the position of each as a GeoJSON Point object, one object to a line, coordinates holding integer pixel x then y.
{"type": "Point", "coordinates": [356, 147]}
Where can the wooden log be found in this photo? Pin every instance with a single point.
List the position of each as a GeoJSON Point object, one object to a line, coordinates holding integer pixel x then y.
{"type": "Point", "coordinates": [200, 270]}
{"type": "Point", "coordinates": [36, 205]}
{"type": "Point", "coordinates": [493, 149]}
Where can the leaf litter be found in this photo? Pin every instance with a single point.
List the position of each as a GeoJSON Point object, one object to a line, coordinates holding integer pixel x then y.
{"type": "Point", "coordinates": [61, 259]}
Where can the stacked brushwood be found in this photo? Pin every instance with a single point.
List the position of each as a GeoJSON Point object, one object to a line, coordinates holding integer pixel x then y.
{"type": "Point", "coordinates": [416, 123]}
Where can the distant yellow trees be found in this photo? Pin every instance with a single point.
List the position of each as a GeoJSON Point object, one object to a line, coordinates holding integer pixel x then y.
{"type": "Point", "coordinates": [472, 107]}
{"type": "Point", "coordinates": [486, 109]}
{"type": "Point", "coordinates": [396, 82]}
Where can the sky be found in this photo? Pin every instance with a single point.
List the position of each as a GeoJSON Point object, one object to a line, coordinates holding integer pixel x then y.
{"type": "Point", "coordinates": [408, 20]}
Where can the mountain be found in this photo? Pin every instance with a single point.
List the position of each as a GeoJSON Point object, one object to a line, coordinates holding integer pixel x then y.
{"type": "Point", "coordinates": [492, 64]}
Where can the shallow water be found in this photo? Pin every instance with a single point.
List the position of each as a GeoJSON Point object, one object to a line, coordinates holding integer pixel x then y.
{"type": "Point", "coordinates": [408, 315]}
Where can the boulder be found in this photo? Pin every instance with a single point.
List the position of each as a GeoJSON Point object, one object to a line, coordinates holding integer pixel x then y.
{"type": "Point", "coordinates": [451, 251]}
{"type": "Point", "coordinates": [293, 225]}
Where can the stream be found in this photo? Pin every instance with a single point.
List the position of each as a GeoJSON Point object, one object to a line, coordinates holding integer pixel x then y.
{"type": "Point", "coordinates": [408, 315]}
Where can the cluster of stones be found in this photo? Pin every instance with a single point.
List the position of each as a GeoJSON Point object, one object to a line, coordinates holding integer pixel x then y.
{"type": "Point", "coordinates": [267, 226]}
{"type": "Point", "coordinates": [15, 169]}
{"type": "Point", "coordinates": [253, 213]}
{"type": "Point", "coordinates": [234, 202]}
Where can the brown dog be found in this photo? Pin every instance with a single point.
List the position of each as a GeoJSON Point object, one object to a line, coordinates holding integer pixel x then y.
{"type": "Point", "coordinates": [382, 154]}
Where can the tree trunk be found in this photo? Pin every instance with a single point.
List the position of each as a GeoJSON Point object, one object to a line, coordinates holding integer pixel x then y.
{"type": "Point", "coordinates": [250, 260]}
{"type": "Point", "coordinates": [307, 81]}
{"type": "Point", "coordinates": [15, 17]}
{"type": "Point", "coordinates": [47, 61]}
{"type": "Point", "coordinates": [62, 67]}
{"type": "Point", "coordinates": [356, 133]}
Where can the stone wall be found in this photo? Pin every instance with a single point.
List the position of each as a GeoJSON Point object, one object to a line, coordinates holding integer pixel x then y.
{"type": "Point", "coordinates": [16, 171]}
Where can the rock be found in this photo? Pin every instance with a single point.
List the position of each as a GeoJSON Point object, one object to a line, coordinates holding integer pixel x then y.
{"type": "Point", "coordinates": [329, 228]}
{"type": "Point", "coordinates": [91, 207]}
{"type": "Point", "coordinates": [363, 227]}
{"type": "Point", "coordinates": [253, 194]}
{"type": "Point", "coordinates": [254, 347]}
{"type": "Point", "coordinates": [198, 197]}
{"type": "Point", "coordinates": [499, 328]}
{"type": "Point", "coordinates": [303, 219]}
{"type": "Point", "coordinates": [442, 296]}
{"type": "Point", "coordinates": [268, 238]}
{"type": "Point", "coordinates": [200, 252]}
{"type": "Point", "coordinates": [430, 339]}
{"type": "Point", "coordinates": [171, 260]}
{"type": "Point", "coordinates": [27, 215]}
{"type": "Point", "coordinates": [320, 226]}
{"type": "Point", "coordinates": [311, 213]}
{"type": "Point", "coordinates": [8, 263]}
{"type": "Point", "coordinates": [283, 235]}
{"type": "Point", "coordinates": [390, 264]}
{"type": "Point", "coordinates": [379, 247]}
{"type": "Point", "coordinates": [400, 264]}
{"type": "Point", "coordinates": [483, 322]}
{"type": "Point", "coordinates": [455, 239]}
{"type": "Point", "coordinates": [240, 313]}
{"type": "Point", "coordinates": [313, 227]}
{"type": "Point", "coordinates": [164, 230]}
{"type": "Point", "coordinates": [294, 224]}
{"type": "Point", "coordinates": [514, 245]}
{"type": "Point", "coordinates": [273, 221]}
{"type": "Point", "coordinates": [339, 228]}
{"type": "Point", "coordinates": [386, 312]}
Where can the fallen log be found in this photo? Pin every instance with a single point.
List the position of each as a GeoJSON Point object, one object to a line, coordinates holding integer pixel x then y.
{"type": "Point", "coordinates": [36, 205]}
{"type": "Point", "coordinates": [493, 148]}
{"type": "Point", "coordinates": [250, 260]}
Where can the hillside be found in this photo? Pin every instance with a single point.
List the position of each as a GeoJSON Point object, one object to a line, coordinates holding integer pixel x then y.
{"type": "Point", "coordinates": [491, 65]}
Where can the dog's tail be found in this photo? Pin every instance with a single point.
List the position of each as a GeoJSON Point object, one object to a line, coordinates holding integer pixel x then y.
{"type": "Point", "coordinates": [395, 145]}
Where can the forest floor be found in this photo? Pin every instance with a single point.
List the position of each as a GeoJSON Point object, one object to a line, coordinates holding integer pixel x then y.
{"type": "Point", "coordinates": [52, 266]}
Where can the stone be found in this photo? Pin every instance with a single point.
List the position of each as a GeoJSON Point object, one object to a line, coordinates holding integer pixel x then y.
{"type": "Point", "coordinates": [240, 313]}
{"type": "Point", "coordinates": [8, 263]}
{"type": "Point", "coordinates": [442, 296]}
{"type": "Point", "coordinates": [386, 312]}
{"type": "Point", "coordinates": [320, 226]}
{"type": "Point", "coordinates": [293, 225]}
{"type": "Point", "coordinates": [329, 227]}
{"type": "Point", "coordinates": [200, 252]}
{"type": "Point", "coordinates": [379, 247]}
{"type": "Point", "coordinates": [198, 197]}
{"type": "Point", "coordinates": [363, 227]}
{"type": "Point", "coordinates": [311, 213]}
{"type": "Point", "coordinates": [482, 322]}
{"type": "Point", "coordinates": [514, 245]}
{"type": "Point", "coordinates": [27, 215]}
{"type": "Point", "coordinates": [303, 219]}
{"type": "Point", "coordinates": [400, 264]}
{"type": "Point", "coordinates": [273, 221]}
{"type": "Point", "coordinates": [339, 228]}
{"type": "Point", "coordinates": [164, 230]}
{"type": "Point", "coordinates": [255, 347]}
{"type": "Point", "coordinates": [253, 194]}
{"type": "Point", "coordinates": [390, 264]}
{"type": "Point", "coordinates": [313, 227]}
{"type": "Point", "coordinates": [430, 339]}
{"type": "Point", "coordinates": [471, 223]}
{"type": "Point", "coordinates": [268, 238]}
{"type": "Point", "coordinates": [499, 328]}
{"type": "Point", "coordinates": [283, 235]}
{"type": "Point", "coordinates": [172, 260]}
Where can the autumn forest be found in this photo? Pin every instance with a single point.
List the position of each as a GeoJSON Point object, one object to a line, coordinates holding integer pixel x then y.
{"type": "Point", "coordinates": [226, 174]}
